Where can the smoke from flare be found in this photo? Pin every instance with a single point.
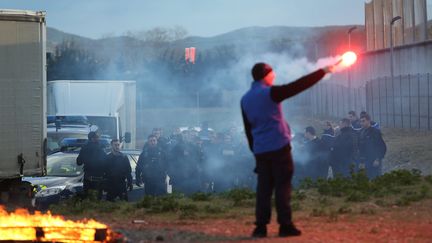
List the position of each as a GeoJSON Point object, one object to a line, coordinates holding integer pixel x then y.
{"type": "Point", "coordinates": [340, 62]}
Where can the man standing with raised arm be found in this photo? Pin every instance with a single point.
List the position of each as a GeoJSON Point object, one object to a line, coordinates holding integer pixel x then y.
{"type": "Point", "coordinates": [269, 137]}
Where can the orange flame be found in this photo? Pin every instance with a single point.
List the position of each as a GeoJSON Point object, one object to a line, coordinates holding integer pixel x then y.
{"type": "Point", "coordinates": [22, 226]}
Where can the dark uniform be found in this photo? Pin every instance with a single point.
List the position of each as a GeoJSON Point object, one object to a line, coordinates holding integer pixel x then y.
{"type": "Point", "coordinates": [93, 157]}
{"type": "Point", "coordinates": [228, 154]}
{"type": "Point", "coordinates": [342, 155]}
{"type": "Point", "coordinates": [119, 170]}
{"type": "Point", "coordinates": [316, 165]}
{"type": "Point", "coordinates": [184, 169]}
{"type": "Point", "coordinates": [151, 170]}
{"type": "Point", "coordinates": [327, 140]}
{"type": "Point", "coordinates": [356, 125]}
{"type": "Point", "coordinates": [371, 147]}
{"type": "Point", "coordinates": [163, 143]}
{"type": "Point", "coordinates": [356, 129]}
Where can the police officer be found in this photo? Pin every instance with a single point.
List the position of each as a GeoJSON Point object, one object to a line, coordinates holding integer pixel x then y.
{"type": "Point", "coordinates": [151, 168]}
{"type": "Point", "coordinates": [93, 157]}
{"type": "Point", "coordinates": [185, 162]}
{"type": "Point", "coordinates": [342, 155]}
{"type": "Point", "coordinates": [316, 155]}
{"type": "Point", "coordinates": [355, 121]}
{"type": "Point", "coordinates": [372, 148]}
{"type": "Point", "coordinates": [161, 140]}
{"type": "Point", "coordinates": [374, 124]}
{"type": "Point", "coordinates": [119, 170]}
{"type": "Point", "coordinates": [269, 137]}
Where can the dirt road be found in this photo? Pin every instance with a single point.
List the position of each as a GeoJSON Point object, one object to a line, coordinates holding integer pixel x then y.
{"type": "Point", "coordinates": [395, 224]}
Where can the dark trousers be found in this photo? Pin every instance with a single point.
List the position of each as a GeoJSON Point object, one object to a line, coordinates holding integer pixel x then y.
{"type": "Point", "coordinates": [371, 170]}
{"type": "Point", "coordinates": [341, 167]}
{"type": "Point", "coordinates": [155, 186]}
{"type": "Point", "coordinates": [93, 185]}
{"type": "Point", "coordinates": [274, 170]}
{"type": "Point", "coordinates": [116, 188]}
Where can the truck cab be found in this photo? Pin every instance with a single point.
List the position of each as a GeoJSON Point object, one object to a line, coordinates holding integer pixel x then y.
{"type": "Point", "coordinates": [62, 127]}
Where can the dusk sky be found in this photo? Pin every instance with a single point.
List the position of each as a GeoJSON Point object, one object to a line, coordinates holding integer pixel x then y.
{"type": "Point", "coordinates": [96, 18]}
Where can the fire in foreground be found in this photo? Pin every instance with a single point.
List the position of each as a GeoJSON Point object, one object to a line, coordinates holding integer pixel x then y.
{"type": "Point", "coordinates": [23, 226]}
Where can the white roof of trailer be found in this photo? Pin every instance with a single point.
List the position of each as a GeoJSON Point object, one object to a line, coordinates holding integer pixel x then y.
{"type": "Point", "coordinates": [22, 12]}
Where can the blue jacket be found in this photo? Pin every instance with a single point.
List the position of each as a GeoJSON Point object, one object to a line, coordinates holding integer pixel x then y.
{"type": "Point", "coordinates": [265, 126]}
{"type": "Point", "coordinates": [270, 131]}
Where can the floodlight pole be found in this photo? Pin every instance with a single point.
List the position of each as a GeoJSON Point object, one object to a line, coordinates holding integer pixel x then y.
{"type": "Point", "coordinates": [392, 65]}
{"type": "Point", "coordinates": [349, 68]}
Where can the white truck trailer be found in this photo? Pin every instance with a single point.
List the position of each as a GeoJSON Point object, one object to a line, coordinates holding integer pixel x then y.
{"type": "Point", "coordinates": [22, 102]}
{"type": "Point", "coordinates": [108, 104]}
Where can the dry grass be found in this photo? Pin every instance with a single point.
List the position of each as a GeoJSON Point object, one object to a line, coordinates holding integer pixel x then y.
{"type": "Point", "coordinates": [408, 149]}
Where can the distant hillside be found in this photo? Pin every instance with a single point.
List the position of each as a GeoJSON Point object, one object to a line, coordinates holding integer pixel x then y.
{"type": "Point", "coordinates": [251, 35]}
{"type": "Point", "coordinates": [330, 37]}
{"type": "Point", "coordinates": [56, 37]}
{"type": "Point", "coordinates": [260, 35]}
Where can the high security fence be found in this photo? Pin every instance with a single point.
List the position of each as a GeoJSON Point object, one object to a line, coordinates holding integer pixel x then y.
{"type": "Point", "coordinates": [403, 103]}
{"type": "Point", "coordinates": [329, 99]}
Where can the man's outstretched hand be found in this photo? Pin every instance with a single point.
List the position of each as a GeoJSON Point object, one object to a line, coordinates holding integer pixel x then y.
{"type": "Point", "coordinates": [329, 68]}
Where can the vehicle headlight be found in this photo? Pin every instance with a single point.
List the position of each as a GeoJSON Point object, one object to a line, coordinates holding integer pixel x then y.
{"type": "Point", "coordinates": [50, 191]}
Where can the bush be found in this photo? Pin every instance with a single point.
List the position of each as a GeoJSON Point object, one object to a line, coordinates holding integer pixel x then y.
{"type": "Point", "coordinates": [160, 204]}
{"type": "Point", "coordinates": [428, 179]}
{"type": "Point", "coordinates": [357, 196]}
{"type": "Point", "coordinates": [307, 183]}
{"type": "Point", "coordinates": [240, 195]}
{"type": "Point", "coordinates": [214, 209]}
{"type": "Point", "coordinates": [188, 211]}
{"type": "Point", "coordinates": [344, 209]}
{"type": "Point", "coordinates": [382, 203]}
{"type": "Point", "coordinates": [398, 178]}
{"type": "Point", "coordinates": [299, 195]}
{"type": "Point", "coordinates": [413, 196]}
{"type": "Point", "coordinates": [201, 196]}
{"type": "Point", "coordinates": [324, 201]}
{"type": "Point", "coordinates": [295, 206]}
{"type": "Point", "coordinates": [359, 188]}
{"type": "Point", "coordinates": [78, 205]}
{"type": "Point", "coordinates": [318, 212]}
{"type": "Point", "coordinates": [369, 211]}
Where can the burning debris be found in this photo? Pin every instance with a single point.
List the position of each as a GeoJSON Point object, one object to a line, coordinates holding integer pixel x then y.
{"type": "Point", "coordinates": [38, 227]}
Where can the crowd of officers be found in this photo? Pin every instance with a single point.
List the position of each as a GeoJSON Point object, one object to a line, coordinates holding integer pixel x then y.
{"type": "Point", "coordinates": [186, 161]}
{"type": "Point", "coordinates": [355, 145]}
{"type": "Point", "coordinates": [189, 161]}
{"type": "Point", "coordinates": [192, 161]}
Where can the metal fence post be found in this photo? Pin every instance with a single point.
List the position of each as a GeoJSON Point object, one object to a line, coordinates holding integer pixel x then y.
{"type": "Point", "coordinates": [409, 100]}
{"type": "Point", "coordinates": [331, 98]}
{"type": "Point", "coordinates": [371, 98]}
{"type": "Point", "coordinates": [379, 101]}
{"type": "Point", "coordinates": [418, 100]}
{"type": "Point", "coordinates": [428, 99]}
{"type": "Point", "coordinates": [401, 106]}
{"type": "Point", "coordinates": [354, 93]}
{"type": "Point", "coordinates": [394, 103]}
{"type": "Point", "coordinates": [386, 101]}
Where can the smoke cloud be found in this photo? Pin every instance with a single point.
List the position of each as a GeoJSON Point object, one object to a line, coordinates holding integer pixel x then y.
{"type": "Point", "coordinates": [172, 93]}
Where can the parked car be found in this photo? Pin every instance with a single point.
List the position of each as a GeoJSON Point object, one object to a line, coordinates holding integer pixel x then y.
{"type": "Point", "coordinates": [65, 178]}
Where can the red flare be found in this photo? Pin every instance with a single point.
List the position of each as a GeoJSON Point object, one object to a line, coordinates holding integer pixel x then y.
{"type": "Point", "coordinates": [348, 58]}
